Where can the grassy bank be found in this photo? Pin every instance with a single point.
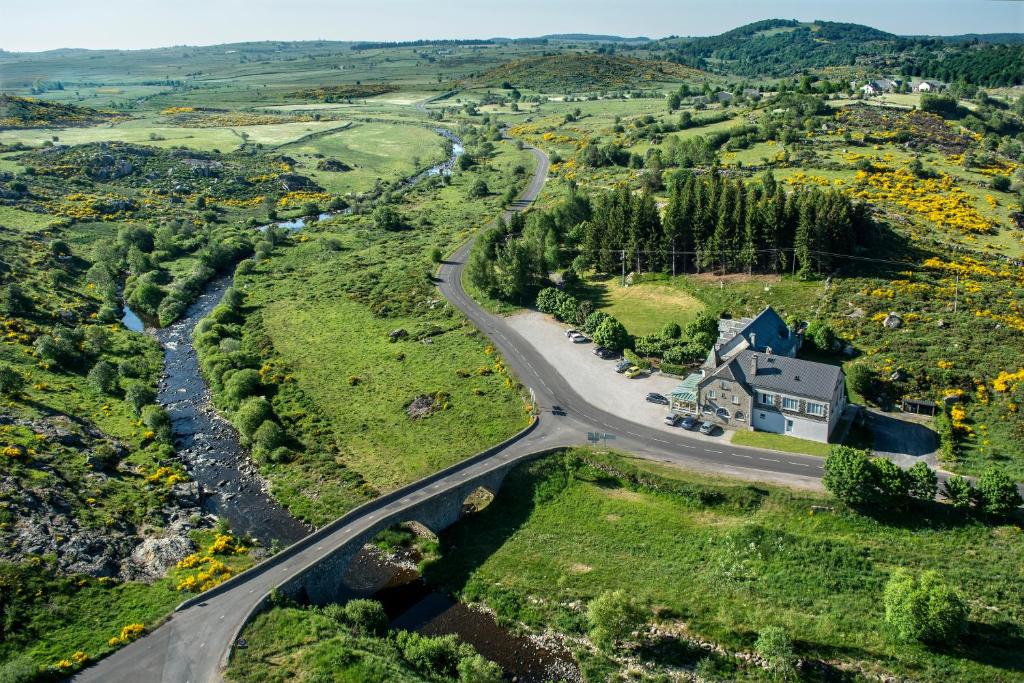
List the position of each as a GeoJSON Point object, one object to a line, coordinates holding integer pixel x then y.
{"type": "Point", "coordinates": [720, 561]}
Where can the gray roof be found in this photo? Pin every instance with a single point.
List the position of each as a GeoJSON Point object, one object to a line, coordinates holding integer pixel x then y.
{"type": "Point", "coordinates": [785, 375]}
{"type": "Point", "coordinates": [767, 330]}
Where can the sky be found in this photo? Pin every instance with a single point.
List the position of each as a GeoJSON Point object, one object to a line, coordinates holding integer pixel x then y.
{"type": "Point", "coordinates": [133, 24]}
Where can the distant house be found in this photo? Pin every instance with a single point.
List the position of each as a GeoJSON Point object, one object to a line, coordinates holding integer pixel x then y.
{"type": "Point", "coordinates": [751, 380]}
{"type": "Point", "coordinates": [723, 96]}
{"type": "Point", "coordinates": [880, 85]}
{"type": "Point", "coordinates": [752, 93]}
{"type": "Point", "coordinates": [929, 86]}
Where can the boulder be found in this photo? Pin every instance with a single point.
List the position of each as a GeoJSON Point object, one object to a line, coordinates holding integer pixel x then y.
{"type": "Point", "coordinates": [154, 556]}
{"type": "Point", "coordinates": [893, 321]}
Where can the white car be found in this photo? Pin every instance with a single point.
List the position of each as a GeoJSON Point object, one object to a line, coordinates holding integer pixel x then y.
{"type": "Point", "coordinates": [569, 333]}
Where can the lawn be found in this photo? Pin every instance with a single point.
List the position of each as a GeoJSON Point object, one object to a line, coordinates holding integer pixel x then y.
{"type": "Point", "coordinates": [720, 561]}
{"type": "Point", "coordinates": [779, 442]}
{"type": "Point", "coordinates": [644, 308]}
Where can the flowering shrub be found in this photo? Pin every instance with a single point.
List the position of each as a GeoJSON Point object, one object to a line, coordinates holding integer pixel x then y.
{"type": "Point", "coordinates": [128, 633]}
{"type": "Point", "coordinates": [167, 476]}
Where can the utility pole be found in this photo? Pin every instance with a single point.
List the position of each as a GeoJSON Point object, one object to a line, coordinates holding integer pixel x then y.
{"type": "Point", "coordinates": [673, 258]}
{"type": "Point", "coordinates": [698, 260]}
{"type": "Point", "coordinates": [622, 257]}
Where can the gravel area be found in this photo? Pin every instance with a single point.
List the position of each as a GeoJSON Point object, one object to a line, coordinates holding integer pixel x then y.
{"type": "Point", "coordinates": [595, 379]}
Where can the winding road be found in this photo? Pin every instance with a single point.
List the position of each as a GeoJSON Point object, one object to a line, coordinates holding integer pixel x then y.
{"type": "Point", "coordinates": [193, 645]}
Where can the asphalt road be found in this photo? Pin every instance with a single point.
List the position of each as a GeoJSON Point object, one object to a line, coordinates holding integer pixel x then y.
{"type": "Point", "coordinates": [550, 389]}
{"type": "Point", "coordinates": [192, 645]}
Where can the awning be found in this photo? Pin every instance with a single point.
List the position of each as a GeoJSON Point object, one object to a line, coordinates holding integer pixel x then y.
{"type": "Point", "coordinates": [687, 391]}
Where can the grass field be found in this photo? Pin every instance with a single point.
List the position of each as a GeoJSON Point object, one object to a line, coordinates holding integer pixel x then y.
{"type": "Point", "coordinates": [373, 150]}
{"type": "Point", "coordinates": [563, 530]}
{"type": "Point", "coordinates": [152, 132]}
{"type": "Point", "coordinates": [779, 442]}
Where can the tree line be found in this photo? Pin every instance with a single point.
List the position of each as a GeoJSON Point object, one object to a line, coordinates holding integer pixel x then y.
{"type": "Point", "coordinates": [717, 223]}
{"type": "Point", "coordinates": [711, 222]}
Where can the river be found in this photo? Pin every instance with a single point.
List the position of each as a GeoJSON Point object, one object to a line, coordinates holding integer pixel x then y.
{"type": "Point", "coordinates": [209, 448]}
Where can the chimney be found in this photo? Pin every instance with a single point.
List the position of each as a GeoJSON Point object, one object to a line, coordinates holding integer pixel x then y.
{"type": "Point", "coordinates": [753, 365]}
{"type": "Point", "coordinates": [753, 340]}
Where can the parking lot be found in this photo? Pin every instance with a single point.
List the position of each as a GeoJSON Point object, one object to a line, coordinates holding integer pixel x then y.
{"type": "Point", "coordinates": [595, 379]}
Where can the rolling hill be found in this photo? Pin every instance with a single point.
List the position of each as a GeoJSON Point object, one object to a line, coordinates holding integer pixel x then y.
{"type": "Point", "coordinates": [582, 72]}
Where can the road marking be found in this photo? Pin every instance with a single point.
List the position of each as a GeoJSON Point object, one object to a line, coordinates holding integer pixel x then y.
{"type": "Point", "coordinates": [740, 455]}
{"type": "Point", "coordinates": [801, 464]}
{"type": "Point", "coordinates": [659, 440]}
{"type": "Point", "coordinates": [770, 459]}
{"type": "Point", "coordinates": [711, 451]}
{"type": "Point", "coordinates": [686, 445]}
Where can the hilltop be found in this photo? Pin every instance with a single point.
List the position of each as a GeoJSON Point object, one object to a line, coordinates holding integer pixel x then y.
{"type": "Point", "coordinates": [580, 72]}
{"type": "Point", "coordinates": [26, 112]}
{"type": "Point", "coordinates": [784, 47]}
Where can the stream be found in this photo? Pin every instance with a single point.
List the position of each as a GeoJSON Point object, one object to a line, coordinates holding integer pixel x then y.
{"type": "Point", "coordinates": [209, 447]}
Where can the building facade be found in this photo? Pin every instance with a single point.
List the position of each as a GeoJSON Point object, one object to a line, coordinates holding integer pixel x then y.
{"type": "Point", "coordinates": [751, 380]}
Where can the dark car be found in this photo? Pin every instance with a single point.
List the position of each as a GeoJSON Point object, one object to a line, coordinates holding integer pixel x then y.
{"type": "Point", "coordinates": [606, 354]}
{"type": "Point", "coordinates": [657, 398]}
{"type": "Point", "coordinates": [688, 422]}
{"type": "Point", "coordinates": [557, 410]}
{"type": "Point", "coordinates": [623, 366]}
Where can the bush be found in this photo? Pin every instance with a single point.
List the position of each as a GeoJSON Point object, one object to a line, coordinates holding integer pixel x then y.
{"type": "Point", "coordinates": [568, 307]}
{"type": "Point", "coordinates": [822, 336]}
{"type": "Point", "coordinates": [776, 649]}
{"type": "Point", "coordinates": [479, 189]}
{"type": "Point", "coordinates": [139, 396]}
{"type": "Point", "coordinates": [103, 377]}
{"type": "Point", "coordinates": [241, 385]}
{"type": "Point", "coordinates": [849, 475]}
{"type": "Point", "coordinates": [14, 300]}
{"type": "Point", "coordinates": [156, 420]}
{"type": "Point", "coordinates": [387, 218]}
{"type": "Point", "coordinates": [252, 413]}
{"type": "Point", "coordinates": [367, 617]}
{"type": "Point", "coordinates": [21, 669]}
{"type": "Point", "coordinates": [476, 669]}
{"type": "Point", "coordinates": [636, 360]}
{"type": "Point", "coordinates": [958, 491]}
{"type": "Point", "coordinates": [1000, 183]}
{"type": "Point", "coordinates": [593, 321]}
{"type": "Point", "coordinates": [613, 616]}
{"type": "Point", "coordinates": [671, 331]}
{"type": "Point", "coordinates": [997, 494]}
{"type": "Point", "coordinates": [891, 483]}
{"type": "Point", "coordinates": [923, 482]}
{"type": "Point", "coordinates": [548, 300]}
{"type": "Point", "coordinates": [436, 256]}
{"type": "Point", "coordinates": [268, 436]}
{"type": "Point", "coordinates": [11, 381]}
{"type": "Point", "coordinates": [611, 334]}
{"type": "Point", "coordinates": [861, 379]}
{"type": "Point", "coordinates": [926, 609]}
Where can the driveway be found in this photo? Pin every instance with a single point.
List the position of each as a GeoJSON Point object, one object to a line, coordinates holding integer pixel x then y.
{"type": "Point", "coordinates": [904, 441]}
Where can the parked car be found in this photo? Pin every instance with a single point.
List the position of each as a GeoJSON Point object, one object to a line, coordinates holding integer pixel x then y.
{"type": "Point", "coordinates": [633, 371]}
{"type": "Point", "coordinates": [602, 352]}
{"type": "Point", "coordinates": [688, 422]}
{"type": "Point", "coordinates": [580, 339]}
{"type": "Point", "coordinates": [707, 427]}
{"type": "Point", "coordinates": [657, 398]}
{"type": "Point", "coordinates": [570, 332]}
{"type": "Point", "coordinates": [672, 419]}
{"type": "Point", "coordinates": [557, 410]}
{"type": "Point", "coordinates": [623, 366]}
